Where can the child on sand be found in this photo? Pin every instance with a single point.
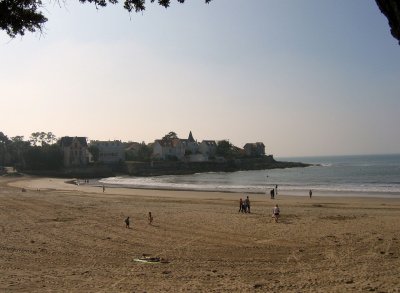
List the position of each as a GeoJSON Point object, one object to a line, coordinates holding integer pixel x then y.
{"type": "Point", "coordinates": [127, 222]}
{"type": "Point", "coordinates": [150, 218]}
{"type": "Point", "coordinates": [275, 213]}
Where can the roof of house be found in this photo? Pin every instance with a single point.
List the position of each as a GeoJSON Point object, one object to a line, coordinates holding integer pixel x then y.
{"type": "Point", "coordinates": [168, 143]}
{"type": "Point", "coordinates": [256, 144]}
{"type": "Point", "coordinates": [106, 142]}
{"type": "Point", "coordinates": [209, 142]}
{"type": "Point", "coordinates": [68, 140]}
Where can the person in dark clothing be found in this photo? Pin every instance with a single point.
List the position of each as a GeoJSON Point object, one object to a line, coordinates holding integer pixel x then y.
{"type": "Point", "coordinates": [127, 223]}
{"type": "Point", "coordinates": [247, 204]}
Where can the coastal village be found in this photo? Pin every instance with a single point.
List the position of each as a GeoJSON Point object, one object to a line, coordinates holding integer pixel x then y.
{"type": "Point", "coordinates": [77, 151]}
{"type": "Point", "coordinates": [76, 156]}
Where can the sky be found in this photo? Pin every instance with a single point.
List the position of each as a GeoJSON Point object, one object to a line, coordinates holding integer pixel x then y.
{"type": "Point", "coordinates": [307, 77]}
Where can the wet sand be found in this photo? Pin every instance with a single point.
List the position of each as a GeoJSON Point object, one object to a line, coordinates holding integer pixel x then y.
{"type": "Point", "coordinates": [58, 237]}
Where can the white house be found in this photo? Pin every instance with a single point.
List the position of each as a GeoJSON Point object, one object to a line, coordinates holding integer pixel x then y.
{"type": "Point", "coordinates": [167, 149]}
{"type": "Point", "coordinates": [110, 152]}
{"type": "Point", "coordinates": [254, 149]}
{"type": "Point", "coordinates": [184, 149]}
{"type": "Point", "coordinates": [208, 148]}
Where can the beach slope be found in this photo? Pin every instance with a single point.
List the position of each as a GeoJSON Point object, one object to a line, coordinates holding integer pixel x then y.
{"type": "Point", "coordinates": [63, 238]}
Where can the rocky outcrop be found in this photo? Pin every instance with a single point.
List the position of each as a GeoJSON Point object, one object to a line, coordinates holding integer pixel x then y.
{"type": "Point", "coordinates": [180, 168]}
{"type": "Point", "coordinates": [391, 9]}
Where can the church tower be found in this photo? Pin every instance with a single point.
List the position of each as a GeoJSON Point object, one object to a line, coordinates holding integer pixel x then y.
{"type": "Point", "coordinates": [190, 138]}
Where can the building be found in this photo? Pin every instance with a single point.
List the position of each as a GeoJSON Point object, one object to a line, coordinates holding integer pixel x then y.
{"type": "Point", "coordinates": [110, 152]}
{"type": "Point", "coordinates": [208, 148]}
{"type": "Point", "coordinates": [168, 149]}
{"type": "Point", "coordinates": [75, 151]}
{"type": "Point", "coordinates": [254, 149]}
{"type": "Point", "coordinates": [190, 145]}
{"type": "Point", "coordinates": [176, 148]}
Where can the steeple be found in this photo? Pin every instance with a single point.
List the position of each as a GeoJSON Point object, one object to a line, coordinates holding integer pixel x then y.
{"type": "Point", "coordinates": [190, 138]}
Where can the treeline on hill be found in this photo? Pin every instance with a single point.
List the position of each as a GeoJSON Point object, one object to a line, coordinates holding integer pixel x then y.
{"type": "Point", "coordinates": [40, 152]}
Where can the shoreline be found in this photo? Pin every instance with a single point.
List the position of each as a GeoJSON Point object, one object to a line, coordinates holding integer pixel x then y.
{"type": "Point", "coordinates": [34, 183]}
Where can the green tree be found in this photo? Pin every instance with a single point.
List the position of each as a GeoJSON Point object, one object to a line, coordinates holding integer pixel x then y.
{"type": "Point", "coordinates": [170, 136]}
{"type": "Point", "coordinates": [144, 152]}
{"type": "Point", "coordinates": [42, 138]}
{"type": "Point", "coordinates": [224, 148]}
{"type": "Point", "coordinates": [228, 150]}
{"type": "Point", "coordinates": [47, 157]}
{"type": "Point", "coordinates": [17, 148]}
{"type": "Point", "coordinates": [4, 142]}
{"type": "Point", "coordinates": [17, 17]}
{"type": "Point", "coordinates": [94, 150]}
{"type": "Point", "coordinates": [50, 138]}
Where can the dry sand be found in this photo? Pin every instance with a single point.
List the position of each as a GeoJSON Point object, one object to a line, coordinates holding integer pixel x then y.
{"type": "Point", "coordinates": [67, 238]}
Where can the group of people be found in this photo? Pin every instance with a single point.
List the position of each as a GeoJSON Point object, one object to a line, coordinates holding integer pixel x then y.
{"type": "Point", "coordinates": [244, 205]}
{"type": "Point", "coordinates": [149, 218]}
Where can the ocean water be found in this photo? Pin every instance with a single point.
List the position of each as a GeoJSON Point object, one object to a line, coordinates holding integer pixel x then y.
{"type": "Point", "coordinates": [372, 175]}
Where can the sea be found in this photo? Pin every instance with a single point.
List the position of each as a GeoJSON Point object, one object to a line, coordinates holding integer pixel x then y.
{"type": "Point", "coordinates": [362, 175]}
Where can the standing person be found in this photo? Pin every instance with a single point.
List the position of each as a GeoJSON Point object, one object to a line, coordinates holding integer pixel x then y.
{"type": "Point", "coordinates": [275, 213]}
{"type": "Point", "coordinates": [150, 218]}
{"type": "Point", "coordinates": [310, 193]}
{"type": "Point", "coordinates": [104, 188]}
{"type": "Point", "coordinates": [248, 204]}
{"type": "Point", "coordinates": [244, 206]}
{"type": "Point", "coordinates": [127, 223]}
{"type": "Point", "coordinates": [241, 205]}
{"type": "Point", "coordinates": [276, 189]}
{"type": "Point", "coordinates": [272, 193]}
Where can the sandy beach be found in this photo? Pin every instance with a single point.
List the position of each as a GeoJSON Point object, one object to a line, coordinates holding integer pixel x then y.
{"type": "Point", "coordinates": [58, 237]}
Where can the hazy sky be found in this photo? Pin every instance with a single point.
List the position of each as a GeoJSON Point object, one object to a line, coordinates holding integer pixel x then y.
{"type": "Point", "coordinates": [306, 77]}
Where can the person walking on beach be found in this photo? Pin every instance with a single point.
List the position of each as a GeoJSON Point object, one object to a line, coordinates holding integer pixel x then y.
{"type": "Point", "coordinates": [276, 189]}
{"type": "Point", "coordinates": [241, 205]}
{"type": "Point", "coordinates": [248, 204]}
{"type": "Point", "coordinates": [310, 193]}
{"type": "Point", "coordinates": [127, 223]}
{"type": "Point", "coordinates": [244, 206]}
{"type": "Point", "coordinates": [272, 192]}
{"type": "Point", "coordinates": [275, 213]}
{"type": "Point", "coordinates": [150, 218]}
{"type": "Point", "coordinates": [104, 188]}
